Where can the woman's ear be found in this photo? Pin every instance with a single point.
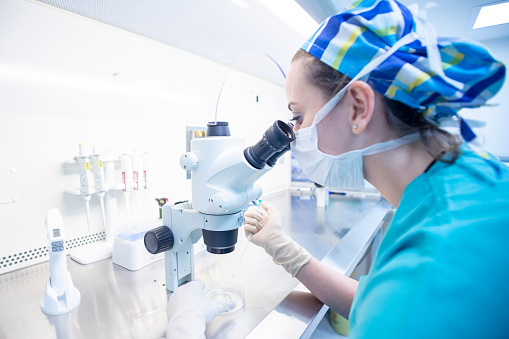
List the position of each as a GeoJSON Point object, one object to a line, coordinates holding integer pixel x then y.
{"type": "Point", "coordinates": [363, 105]}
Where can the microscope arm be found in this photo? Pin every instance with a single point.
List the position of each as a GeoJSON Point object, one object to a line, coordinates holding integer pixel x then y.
{"type": "Point", "coordinates": [183, 228]}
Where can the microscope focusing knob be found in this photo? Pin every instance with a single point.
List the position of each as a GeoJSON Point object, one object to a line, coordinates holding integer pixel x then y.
{"type": "Point", "coordinates": [189, 161]}
{"type": "Point", "coordinates": [159, 240]}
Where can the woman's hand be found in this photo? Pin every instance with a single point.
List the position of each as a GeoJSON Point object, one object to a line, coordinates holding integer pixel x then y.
{"type": "Point", "coordinates": [265, 225]}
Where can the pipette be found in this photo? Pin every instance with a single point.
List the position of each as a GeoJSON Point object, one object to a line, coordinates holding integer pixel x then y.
{"type": "Point", "coordinates": [100, 184]}
{"type": "Point", "coordinates": [127, 180]}
{"type": "Point", "coordinates": [250, 235]}
{"type": "Point", "coordinates": [85, 187]}
{"type": "Point", "coordinates": [137, 169]}
{"type": "Point", "coordinates": [146, 164]}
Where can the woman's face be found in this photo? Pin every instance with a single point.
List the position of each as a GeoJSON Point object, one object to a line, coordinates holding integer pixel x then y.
{"type": "Point", "coordinates": [305, 100]}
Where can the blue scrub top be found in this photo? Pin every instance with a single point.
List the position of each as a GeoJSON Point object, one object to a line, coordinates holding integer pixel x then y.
{"type": "Point", "coordinates": [442, 269]}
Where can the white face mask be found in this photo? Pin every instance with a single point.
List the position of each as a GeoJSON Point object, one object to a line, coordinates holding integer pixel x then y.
{"type": "Point", "coordinates": [343, 171]}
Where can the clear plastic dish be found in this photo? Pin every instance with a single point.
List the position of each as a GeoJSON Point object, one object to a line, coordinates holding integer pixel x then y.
{"type": "Point", "coordinates": [227, 291]}
{"type": "Point", "coordinates": [150, 323]}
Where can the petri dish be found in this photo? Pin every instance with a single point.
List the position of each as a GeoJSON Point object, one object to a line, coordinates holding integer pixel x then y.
{"type": "Point", "coordinates": [150, 323]}
{"type": "Point", "coordinates": [226, 292]}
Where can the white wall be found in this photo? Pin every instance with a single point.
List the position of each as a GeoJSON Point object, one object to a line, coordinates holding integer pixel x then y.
{"type": "Point", "coordinates": [66, 80]}
{"type": "Point", "coordinates": [497, 118]}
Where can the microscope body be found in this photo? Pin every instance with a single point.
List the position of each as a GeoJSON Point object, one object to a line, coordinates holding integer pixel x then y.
{"type": "Point", "coordinates": [224, 177]}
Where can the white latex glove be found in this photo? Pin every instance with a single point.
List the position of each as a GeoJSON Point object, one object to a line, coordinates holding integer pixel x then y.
{"type": "Point", "coordinates": [189, 310]}
{"type": "Point", "coordinates": [265, 224]}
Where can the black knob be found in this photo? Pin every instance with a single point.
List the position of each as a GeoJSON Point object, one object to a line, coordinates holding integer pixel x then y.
{"type": "Point", "coordinates": [159, 240]}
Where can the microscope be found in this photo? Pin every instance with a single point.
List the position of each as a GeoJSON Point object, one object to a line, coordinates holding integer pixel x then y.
{"type": "Point", "coordinates": [223, 183]}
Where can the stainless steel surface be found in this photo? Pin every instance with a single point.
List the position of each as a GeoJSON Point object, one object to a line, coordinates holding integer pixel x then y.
{"type": "Point", "coordinates": [112, 295]}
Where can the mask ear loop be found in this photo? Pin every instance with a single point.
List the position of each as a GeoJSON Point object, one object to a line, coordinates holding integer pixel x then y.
{"type": "Point", "coordinates": [382, 55]}
{"type": "Point", "coordinates": [391, 144]}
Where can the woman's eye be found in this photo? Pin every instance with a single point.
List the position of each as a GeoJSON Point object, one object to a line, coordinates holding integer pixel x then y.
{"type": "Point", "coordinates": [297, 119]}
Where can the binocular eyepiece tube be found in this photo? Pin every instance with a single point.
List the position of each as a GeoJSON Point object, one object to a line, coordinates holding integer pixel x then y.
{"type": "Point", "coordinates": [274, 143]}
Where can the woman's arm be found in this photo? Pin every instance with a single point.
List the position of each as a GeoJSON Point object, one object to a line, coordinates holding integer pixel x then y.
{"type": "Point", "coordinates": [333, 289]}
{"type": "Point", "coordinates": [330, 287]}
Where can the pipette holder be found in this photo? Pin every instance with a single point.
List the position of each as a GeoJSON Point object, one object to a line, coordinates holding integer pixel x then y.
{"type": "Point", "coordinates": [102, 249]}
{"type": "Point", "coordinates": [54, 304]}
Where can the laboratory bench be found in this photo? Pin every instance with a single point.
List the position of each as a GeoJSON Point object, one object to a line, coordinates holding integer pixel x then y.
{"type": "Point", "coordinates": [276, 305]}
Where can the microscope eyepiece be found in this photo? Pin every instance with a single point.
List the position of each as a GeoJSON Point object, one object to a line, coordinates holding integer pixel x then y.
{"type": "Point", "coordinates": [272, 145]}
{"type": "Point", "coordinates": [218, 129]}
{"type": "Point", "coordinates": [273, 159]}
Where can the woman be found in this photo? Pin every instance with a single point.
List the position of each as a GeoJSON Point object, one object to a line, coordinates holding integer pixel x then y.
{"type": "Point", "coordinates": [367, 92]}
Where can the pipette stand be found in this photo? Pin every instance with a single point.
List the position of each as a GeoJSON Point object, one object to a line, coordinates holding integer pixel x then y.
{"type": "Point", "coordinates": [92, 253]}
{"type": "Point", "coordinates": [53, 304]}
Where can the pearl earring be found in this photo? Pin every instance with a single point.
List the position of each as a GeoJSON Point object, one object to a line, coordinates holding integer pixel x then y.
{"type": "Point", "coordinates": [354, 126]}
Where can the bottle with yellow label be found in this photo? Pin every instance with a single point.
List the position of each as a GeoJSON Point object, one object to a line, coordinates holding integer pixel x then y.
{"type": "Point", "coordinates": [339, 323]}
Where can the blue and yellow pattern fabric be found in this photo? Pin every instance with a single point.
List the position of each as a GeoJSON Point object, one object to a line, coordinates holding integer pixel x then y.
{"type": "Point", "coordinates": [437, 76]}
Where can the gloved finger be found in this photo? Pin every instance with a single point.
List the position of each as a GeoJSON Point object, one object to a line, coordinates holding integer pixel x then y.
{"type": "Point", "coordinates": [263, 211]}
{"type": "Point", "coordinates": [250, 229]}
{"type": "Point", "coordinates": [270, 210]}
{"type": "Point", "coordinates": [251, 220]}
{"type": "Point", "coordinates": [252, 209]}
{"type": "Point", "coordinates": [267, 207]}
{"type": "Point", "coordinates": [255, 213]}
{"type": "Point", "coordinates": [219, 307]}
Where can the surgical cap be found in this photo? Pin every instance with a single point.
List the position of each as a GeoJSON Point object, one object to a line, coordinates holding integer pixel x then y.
{"type": "Point", "coordinates": [437, 76]}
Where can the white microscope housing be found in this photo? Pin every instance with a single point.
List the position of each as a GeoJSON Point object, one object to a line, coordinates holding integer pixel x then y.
{"type": "Point", "coordinates": [224, 175]}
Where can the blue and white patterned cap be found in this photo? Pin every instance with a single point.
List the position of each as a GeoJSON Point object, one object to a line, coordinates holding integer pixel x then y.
{"type": "Point", "coordinates": [438, 76]}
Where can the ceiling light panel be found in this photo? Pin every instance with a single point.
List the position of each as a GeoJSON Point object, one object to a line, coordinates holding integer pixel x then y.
{"type": "Point", "coordinates": [492, 15]}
